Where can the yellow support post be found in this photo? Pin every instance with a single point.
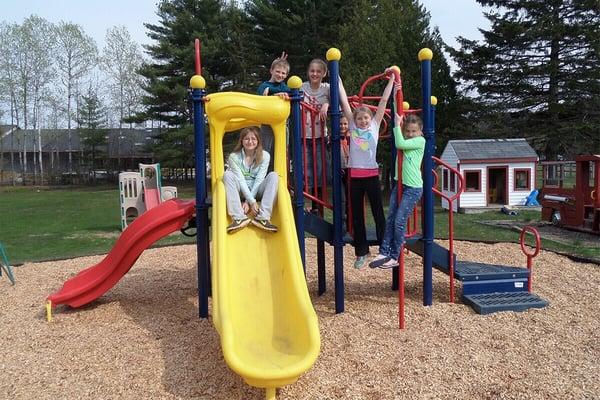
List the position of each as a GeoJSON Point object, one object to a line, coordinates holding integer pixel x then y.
{"type": "Point", "coordinates": [271, 393]}
{"type": "Point", "coordinates": [49, 311]}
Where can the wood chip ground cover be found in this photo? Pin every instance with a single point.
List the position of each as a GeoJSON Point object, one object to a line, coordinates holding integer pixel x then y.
{"type": "Point", "coordinates": [143, 339]}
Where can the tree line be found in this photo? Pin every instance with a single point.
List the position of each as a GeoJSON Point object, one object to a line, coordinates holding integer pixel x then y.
{"type": "Point", "coordinates": [535, 74]}
{"type": "Point", "coordinates": [239, 41]}
{"type": "Point", "coordinates": [51, 74]}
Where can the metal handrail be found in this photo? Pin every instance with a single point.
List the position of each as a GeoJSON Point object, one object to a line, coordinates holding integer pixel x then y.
{"type": "Point", "coordinates": [450, 200]}
{"type": "Point", "coordinates": [322, 200]}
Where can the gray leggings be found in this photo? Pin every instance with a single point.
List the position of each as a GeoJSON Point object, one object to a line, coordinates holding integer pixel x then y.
{"type": "Point", "coordinates": [267, 194]}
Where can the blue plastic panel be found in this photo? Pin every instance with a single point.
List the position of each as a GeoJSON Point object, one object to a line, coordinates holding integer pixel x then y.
{"type": "Point", "coordinates": [473, 271]}
{"type": "Point", "coordinates": [494, 286]}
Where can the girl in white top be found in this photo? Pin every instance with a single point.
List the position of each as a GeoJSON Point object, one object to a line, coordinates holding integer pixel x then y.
{"type": "Point", "coordinates": [364, 170]}
{"type": "Point", "coordinates": [316, 93]}
{"type": "Point", "coordinates": [247, 182]}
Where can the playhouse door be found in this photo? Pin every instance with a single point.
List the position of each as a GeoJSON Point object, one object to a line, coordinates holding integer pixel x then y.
{"type": "Point", "coordinates": [497, 188]}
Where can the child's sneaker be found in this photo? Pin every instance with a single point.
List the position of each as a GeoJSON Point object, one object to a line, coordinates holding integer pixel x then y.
{"type": "Point", "coordinates": [238, 224]}
{"type": "Point", "coordinates": [265, 225]}
{"type": "Point", "coordinates": [360, 261]}
{"type": "Point", "coordinates": [378, 261]}
{"type": "Point", "coordinates": [390, 263]}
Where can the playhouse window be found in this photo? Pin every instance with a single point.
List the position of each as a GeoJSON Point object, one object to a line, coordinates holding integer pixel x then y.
{"type": "Point", "coordinates": [444, 179]}
{"type": "Point", "coordinates": [522, 179]}
{"type": "Point", "coordinates": [472, 181]}
{"type": "Point", "coordinates": [452, 183]}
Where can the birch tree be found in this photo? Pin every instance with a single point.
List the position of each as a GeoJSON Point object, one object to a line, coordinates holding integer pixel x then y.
{"type": "Point", "coordinates": [33, 43]}
{"type": "Point", "coordinates": [121, 59]}
{"type": "Point", "coordinates": [8, 80]}
{"type": "Point", "coordinates": [76, 54]}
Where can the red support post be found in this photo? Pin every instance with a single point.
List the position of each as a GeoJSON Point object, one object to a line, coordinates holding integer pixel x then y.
{"type": "Point", "coordinates": [197, 52]}
{"type": "Point", "coordinates": [401, 289]}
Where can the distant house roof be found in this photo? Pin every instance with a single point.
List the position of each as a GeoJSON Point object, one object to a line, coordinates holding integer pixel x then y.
{"type": "Point", "coordinates": [121, 143]}
{"type": "Point", "coordinates": [483, 149]}
{"type": "Point", "coordinates": [6, 129]}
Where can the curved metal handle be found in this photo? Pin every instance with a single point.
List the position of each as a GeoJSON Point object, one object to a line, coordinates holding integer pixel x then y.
{"type": "Point", "coordinates": [461, 181]}
{"type": "Point", "coordinates": [537, 241]}
{"type": "Point", "coordinates": [191, 224]}
{"type": "Point", "coordinates": [399, 96]}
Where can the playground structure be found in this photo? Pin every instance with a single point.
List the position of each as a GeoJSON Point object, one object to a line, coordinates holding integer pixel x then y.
{"type": "Point", "coordinates": [5, 265]}
{"type": "Point", "coordinates": [486, 287]}
{"type": "Point", "coordinates": [570, 194]}
{"type": "Point", "coordinates": [261, 307]}
{"type": "Point", "coordinates": [140, 192]}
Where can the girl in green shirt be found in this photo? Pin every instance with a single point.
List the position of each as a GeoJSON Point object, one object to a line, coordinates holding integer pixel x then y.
{"type": "Point", "coordinates": [412, 143]}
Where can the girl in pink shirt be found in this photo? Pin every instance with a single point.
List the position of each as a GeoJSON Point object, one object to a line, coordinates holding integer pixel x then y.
{"type": "Point", "coordinates": [364, 170]}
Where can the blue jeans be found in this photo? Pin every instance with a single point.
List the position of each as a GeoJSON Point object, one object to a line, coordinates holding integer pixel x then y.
{"type": "Point", "coordinates": [395, 224]}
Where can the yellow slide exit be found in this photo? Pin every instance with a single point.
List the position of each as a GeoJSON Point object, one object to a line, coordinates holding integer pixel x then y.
{"type": "Point", "coordinates": [261, 307]}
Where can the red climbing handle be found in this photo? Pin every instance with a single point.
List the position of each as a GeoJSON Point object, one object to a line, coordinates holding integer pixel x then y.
{"type": "Point", "coordinates": [399, 95]}
{"type": "Point", "coordinates": [527, 253]}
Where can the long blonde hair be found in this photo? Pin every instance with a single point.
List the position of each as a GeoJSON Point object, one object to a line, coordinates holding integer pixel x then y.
{"type": "Point", "coordinates": [258, 153]}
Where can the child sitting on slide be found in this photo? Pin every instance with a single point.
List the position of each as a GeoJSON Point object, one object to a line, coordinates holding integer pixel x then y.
{"type": "Point", "coordinates": [246, 182]}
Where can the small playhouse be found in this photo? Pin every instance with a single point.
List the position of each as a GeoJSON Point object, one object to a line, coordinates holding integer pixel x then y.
{"type": "Point", "coordinates": [142, 191]}
{"type": "Point", "coordinates": [497, 172]}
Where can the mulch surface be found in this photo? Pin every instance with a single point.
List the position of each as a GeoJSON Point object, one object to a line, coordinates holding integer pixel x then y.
{"type": "Point", "coordinates": [143, 339]}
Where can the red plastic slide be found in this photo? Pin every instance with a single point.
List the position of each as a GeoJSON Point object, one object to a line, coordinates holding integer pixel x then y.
{"type": "Point", "coordinates": [151, 197]}
{"type": "Point", "coordinates": [151, 226]}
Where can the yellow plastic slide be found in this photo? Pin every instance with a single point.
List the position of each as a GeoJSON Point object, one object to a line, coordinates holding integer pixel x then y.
{"type": "Point", "coordinates": [261, 306]}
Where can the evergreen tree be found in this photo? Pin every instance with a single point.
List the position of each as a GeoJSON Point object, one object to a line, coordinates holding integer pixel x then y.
{"type": "Point", "coordinates": [92, 120]}
{"type": "Point", "coordinates": [537, 73]}
{"type": "Point", "coordinates": [237, 56]}
{"type": "Point", "coordinates": [379, 34]}
{"type": "Point", "coordinates": [172, 53]}
{"type": "Point", "coordinates": [175, 148]}
{"type": "Point", "coordinates": [168, 73]}
{"type": "Point", "coordinates": [304, 29]}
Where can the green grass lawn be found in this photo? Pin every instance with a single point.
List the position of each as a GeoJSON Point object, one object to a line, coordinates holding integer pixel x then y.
{"type": "Point", "coordinates": [53, 224]}
{"type": "Point", "coordinates": [63, 223]}
{"type": "Point", "coordinates": [469, 227]}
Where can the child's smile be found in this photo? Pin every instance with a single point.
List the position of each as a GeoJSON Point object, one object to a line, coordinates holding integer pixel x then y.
{"type": "Point", "coordinates": [278, 73]}
{"type": "Point", "coordinates": [363, 121]}
{"type": "Point", "coordinates": [315, 74]}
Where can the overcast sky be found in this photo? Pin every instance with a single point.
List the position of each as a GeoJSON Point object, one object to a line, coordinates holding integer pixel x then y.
{"type": "Point", "coordinates": [454, 18]}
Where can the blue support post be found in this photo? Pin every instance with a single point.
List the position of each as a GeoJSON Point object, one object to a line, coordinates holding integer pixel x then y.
{"type": "Point", "coordinates": [425, 56]}
{"type": "Point", "coordinates": [298, 171]}
{"type": "Point", "coordinates": [333, 56]}
{"type": "Point", "coordinates": [203, 252]}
